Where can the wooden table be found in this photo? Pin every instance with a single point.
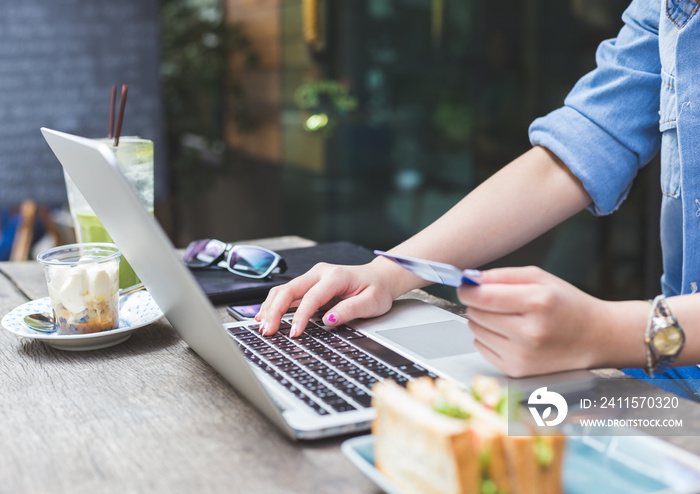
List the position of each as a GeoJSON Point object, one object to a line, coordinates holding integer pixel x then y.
{"type": "Point", "coordinates": [149, 415]}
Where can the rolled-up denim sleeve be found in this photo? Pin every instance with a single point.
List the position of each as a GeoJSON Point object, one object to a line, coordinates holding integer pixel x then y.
{"type": "Point", "coordinates": [608, 127]}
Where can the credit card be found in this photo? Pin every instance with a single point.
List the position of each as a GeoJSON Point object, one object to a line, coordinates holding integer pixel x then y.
{"type": "Point", "coordinates": [436, 272]}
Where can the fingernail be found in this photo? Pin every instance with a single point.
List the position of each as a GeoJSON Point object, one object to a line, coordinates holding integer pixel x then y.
{"type": "Point", "coordinates": [257, 317]}
{"type": "Point", "coordinates": [330, 319]}
{"type": "Point", "coordinates": [263, 327]}
{"type": "Point", "coordinates": [472, 272]}
{"type": "Point", "coordinates": [293, 330]}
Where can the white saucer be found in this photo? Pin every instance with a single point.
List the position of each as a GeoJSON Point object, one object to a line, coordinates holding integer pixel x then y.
{"type": "Point", "coordinates": [135, 311]}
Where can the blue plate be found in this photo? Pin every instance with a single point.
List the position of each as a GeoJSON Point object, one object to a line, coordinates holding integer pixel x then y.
{"type": "Point", "coordinates": [620, 464]}
{"type": "Point", "coordinates": [136, 310]}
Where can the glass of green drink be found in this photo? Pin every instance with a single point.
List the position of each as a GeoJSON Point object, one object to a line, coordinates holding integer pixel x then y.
{"type": "Point", "coordinates": [135, 156]}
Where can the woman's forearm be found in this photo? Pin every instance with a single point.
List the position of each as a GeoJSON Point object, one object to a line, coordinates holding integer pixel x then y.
{"type": "Point", "coordinates": [521, 201]}
{"type": "Point", "coordinates": [686, 308]}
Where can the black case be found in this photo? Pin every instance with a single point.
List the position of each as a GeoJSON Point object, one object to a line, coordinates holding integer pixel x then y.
{"type": "Point", "coordinates": [224, 287]}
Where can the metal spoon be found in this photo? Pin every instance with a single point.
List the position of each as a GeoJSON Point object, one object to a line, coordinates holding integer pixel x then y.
{"type": "Point", "coordinates": [42, 321]}
{"type": "Point", "coordinates": [45, 322]}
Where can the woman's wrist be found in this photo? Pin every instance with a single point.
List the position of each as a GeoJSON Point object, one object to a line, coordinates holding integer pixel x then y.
{"type": "Point", "coordinates": [617, 338]}
{"type": "Point", "coordinates": [396, 279]}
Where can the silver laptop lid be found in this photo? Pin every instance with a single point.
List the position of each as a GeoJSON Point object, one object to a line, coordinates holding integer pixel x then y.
{"type": "Point", "coordinates": [153, 257]}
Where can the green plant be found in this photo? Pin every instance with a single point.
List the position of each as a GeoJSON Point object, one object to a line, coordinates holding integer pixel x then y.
{"type": "Point", "coordinates": [197, 46]}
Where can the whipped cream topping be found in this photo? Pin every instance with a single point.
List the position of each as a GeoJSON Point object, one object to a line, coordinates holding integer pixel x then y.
{"type": "Point", "coordinates": [75, 286]}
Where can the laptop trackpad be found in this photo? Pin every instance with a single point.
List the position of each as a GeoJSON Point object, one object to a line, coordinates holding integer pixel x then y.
{"type": "Point", "coordinates": [433, 340]}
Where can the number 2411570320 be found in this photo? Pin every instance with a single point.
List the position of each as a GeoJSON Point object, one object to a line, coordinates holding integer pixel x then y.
{"type": "Point", "coordinates": [639, 402]}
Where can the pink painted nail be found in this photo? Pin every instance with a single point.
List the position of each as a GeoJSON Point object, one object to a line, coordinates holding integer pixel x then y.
{"type": "Point", "coordinates": [331, 318]}
{"type": "Point", "coordinates": [293, 330]}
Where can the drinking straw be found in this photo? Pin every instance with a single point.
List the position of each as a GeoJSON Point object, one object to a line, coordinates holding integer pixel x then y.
{"type": "Point", "coordinates": [120, 117]}
{"type": "Point", "coordinates": [112, 101]}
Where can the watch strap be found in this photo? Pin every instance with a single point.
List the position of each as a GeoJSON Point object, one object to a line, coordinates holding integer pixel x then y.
{"type": "Point", "coordinates": [660, 317]}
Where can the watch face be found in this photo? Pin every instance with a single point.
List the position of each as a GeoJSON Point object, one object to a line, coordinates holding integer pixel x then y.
{"type": "Point", "coordinates": [668, 340]}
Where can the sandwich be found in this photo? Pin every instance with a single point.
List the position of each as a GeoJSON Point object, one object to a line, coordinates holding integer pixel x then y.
{"type": "Point", "coordinates": [435, 437]}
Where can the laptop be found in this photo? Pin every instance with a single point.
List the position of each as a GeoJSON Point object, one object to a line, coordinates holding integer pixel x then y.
{"type": "Point", "coordinates": [314, 386]}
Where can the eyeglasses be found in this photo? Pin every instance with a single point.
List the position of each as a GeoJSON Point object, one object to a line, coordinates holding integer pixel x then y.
{"type": "Point", "coordinates": [244, 260]}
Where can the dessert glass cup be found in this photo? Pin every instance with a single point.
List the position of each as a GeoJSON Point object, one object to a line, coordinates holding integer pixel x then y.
{"type": "Point", "coordinates": [135, 157]}
{"type": "Point", "coordinates": [83, 283]}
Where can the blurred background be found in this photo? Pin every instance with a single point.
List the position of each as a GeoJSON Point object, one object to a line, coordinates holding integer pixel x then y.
{"type": "Point", "coordinates": [357, 120]}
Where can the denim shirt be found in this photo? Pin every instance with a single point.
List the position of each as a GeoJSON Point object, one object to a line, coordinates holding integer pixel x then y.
{"type": "Point", "coordinates": [643, 95]}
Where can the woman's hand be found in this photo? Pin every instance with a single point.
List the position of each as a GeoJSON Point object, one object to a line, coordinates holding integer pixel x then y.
{"type": "Point", "coordinates": [527, 321]}
{"type": "Point", "coordinates": [352, 291]}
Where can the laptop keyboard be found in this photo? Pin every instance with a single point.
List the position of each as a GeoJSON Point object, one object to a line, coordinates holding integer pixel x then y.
{"type": "Point", "coordinates": [330, 370]}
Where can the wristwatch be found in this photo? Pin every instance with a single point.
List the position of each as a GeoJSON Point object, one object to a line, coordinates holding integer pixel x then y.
{"type": "Point", "coordinates": [664, 337]}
